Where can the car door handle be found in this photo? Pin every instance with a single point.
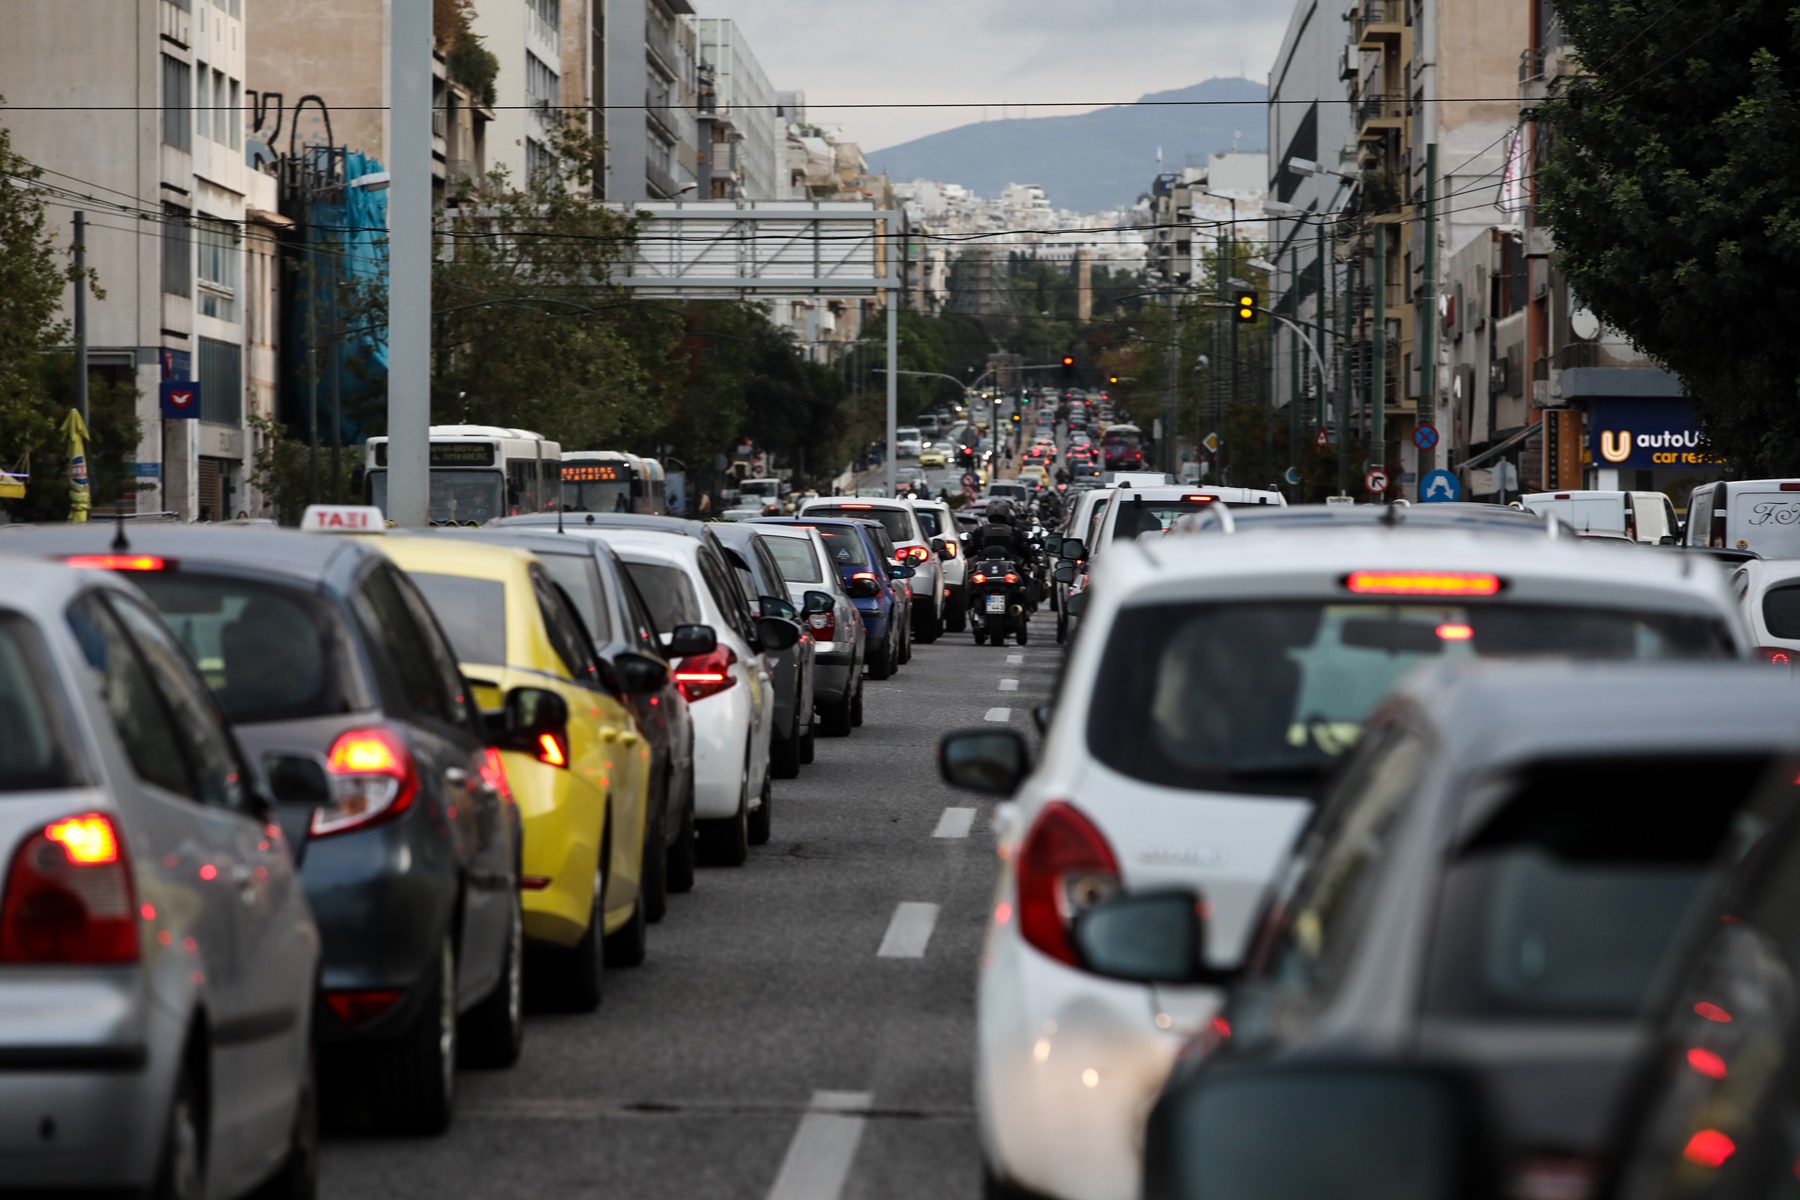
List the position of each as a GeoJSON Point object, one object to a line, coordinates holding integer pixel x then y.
{"type": "Point", "coordinates": [628, 739]}
{"type": "Point", "coordinates": [609, 735]}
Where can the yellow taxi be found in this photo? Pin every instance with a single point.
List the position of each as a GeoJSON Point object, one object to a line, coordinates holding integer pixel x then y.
{"type": "Point", "coordinates": [1033, 474]}
{"type": "Point", "coordinates": [577, 763]}
{"type": "Point", "coordinates": [932, 456]}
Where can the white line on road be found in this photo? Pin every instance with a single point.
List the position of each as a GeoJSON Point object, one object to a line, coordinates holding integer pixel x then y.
{"type": "Point", "coordinates": [909, 931]}
{"type": "Point", "coordinates": [1009, 685]}
{"type": "Point", "coordinates": [955, 823]}
{"type": "Point", "coordinates": [999, 714]}
{"type": "Point", "coordinates": [1013, 660]}
{"type": "Point", "coordinates": [818, 1159]}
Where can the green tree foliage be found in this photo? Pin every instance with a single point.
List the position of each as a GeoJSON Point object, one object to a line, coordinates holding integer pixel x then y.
{"type": "Point", "coordinates": [471, 64]}
{"type": "Point", "coordinates": [1673, 188]}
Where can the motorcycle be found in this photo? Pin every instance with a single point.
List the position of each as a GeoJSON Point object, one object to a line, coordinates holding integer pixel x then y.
{"type": "Point", "coordinates": [998, 592]}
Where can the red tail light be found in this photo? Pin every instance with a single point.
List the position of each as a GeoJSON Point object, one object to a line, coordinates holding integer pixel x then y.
{"type": "Point", "coordinates": [916, 554]}
{"type": "Point", "coordinates": [980, 578]}
{"type": "Point", "coordinates": [1776, 656]}
{"type": "Point", "coordinates": [1063, 867]}
{"type": "Point", "coordinates": [823, 625]}
{"type": "Point", "coordinates": [373, 778]}
{"type": "Point", "coordinates": [705, 675]}
{"type": "Point", "coordinates": [353, 1008]}
{"type": "Point", "coordinates": [493, 773]}
{"type": "Point", "coordinates": [69, 897]}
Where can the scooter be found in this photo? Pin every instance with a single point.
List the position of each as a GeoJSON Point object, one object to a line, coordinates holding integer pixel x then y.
{"type": "Point", "coordinates": [998, 588]}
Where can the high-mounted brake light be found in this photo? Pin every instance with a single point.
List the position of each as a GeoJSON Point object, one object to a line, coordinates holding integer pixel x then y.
{"type": "Point", "coordinates": [120, 562]}
{"type": "Point", "coordinates": [859, 506]}
{"type": "Point", "coordinates": [1422, 583]}
{"type": "Point", "coordinates": [1790, 487]}
{"type": "Point", "coordinates": [1455, 632]}
{"type": "Point", "coordinates": [1203, 499]}
{"type": "Point", "coordinates": [68, 896]}
{"type": "Point", "coordinates": [372, 777]}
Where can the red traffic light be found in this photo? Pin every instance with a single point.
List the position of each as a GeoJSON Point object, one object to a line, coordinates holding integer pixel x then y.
{"type": "Point", "coordinates": [1067, 361]}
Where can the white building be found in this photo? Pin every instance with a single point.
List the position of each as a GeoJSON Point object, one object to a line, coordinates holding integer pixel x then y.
{"type": "Point", "coordinates": [527, 37]}
{"type": "Point", "coordinates": [742, 133]}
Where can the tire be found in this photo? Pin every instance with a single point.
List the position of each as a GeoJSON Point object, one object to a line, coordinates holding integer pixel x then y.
{"type": "Point", "coordinates": [809, 744]}
{"type": "Point", "coordinates": [181, 1169]}
{"type": "Point", "coordinates": [631, 944]}
{"type": "Point", "coordinates": [761, 817]}
{"type": "Point", "coordinates": [1023, 634]}
{"type": "Point", "coordinates": [835, 719]}
{"type": "Point", "coordinates": [725, 842]}
{"type": "Point", "coordinates": [413, 1088]}
{"type": "Point", "coordinates": [653, 885]}
{"type": "Point", "coordinates": [680, 857]}
{"type": "Point", "coordinates": [493, 1032]}
{"type": "Point", "coordinates": [575, 975]}
{"type": "Point", "coordinates": [980, 638]}
{"type": "Point", "coordinates": [784, 758]}
{"type": "Point", "coordinates": [906, 644]}
{"type": "Point", "coordinates": [298, 1178]}
{"type": "Point", "coordinates": [856, 706]}
{"type": "Point", "coordinates": [881, 662]}
{"type": "Point", "coordinates": [1062, 625]}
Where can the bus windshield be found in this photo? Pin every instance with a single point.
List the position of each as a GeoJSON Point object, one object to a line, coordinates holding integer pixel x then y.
{"type": "Point", "coordinates": [458, 495]}
{"type": "Point", "coordinates": [601, 497]}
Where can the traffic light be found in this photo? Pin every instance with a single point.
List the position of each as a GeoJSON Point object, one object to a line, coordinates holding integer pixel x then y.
{"type": "Point", "coordinates": [1246, 306]}
{"type": "Point", "coordinates": [1068, 368]}
{"type": "Point", "coordinates": [1015, 418]}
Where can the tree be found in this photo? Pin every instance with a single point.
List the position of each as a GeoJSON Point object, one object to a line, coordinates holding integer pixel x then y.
{"type": "Point", "coordinates": [1672, 183]}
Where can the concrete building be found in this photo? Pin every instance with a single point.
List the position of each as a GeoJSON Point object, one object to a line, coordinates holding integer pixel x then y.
{"type": "Point", "coordinates": [527, 38]}
{"type": "Point", "coordinates": [649, 83]}
{"type": "Point", "coordinates": [741, 134]}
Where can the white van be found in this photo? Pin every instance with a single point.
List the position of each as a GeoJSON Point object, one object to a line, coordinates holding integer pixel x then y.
{"type": "Point", "coordinates": [1640, 516]}
{"type": "Point", "coordinates": [908, 441]}
{"type": "Point", "coordinates": [1762, 515]}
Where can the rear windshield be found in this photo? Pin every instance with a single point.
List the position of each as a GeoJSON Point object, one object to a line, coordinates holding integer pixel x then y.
{"type": "Point", "coordinates": [269, 653]}
{"type": "Point", "coordinates": [472, 612]}
{"type": "Point", "coordinates": [845, 546]}
{"type": "Point", "coordinates": [796, 559]}
{"type": "Point", "coordinates": [33, 748]}
{"type": "Point", "coordinates": [931, 520]}
{"type": "Point", "coordinates": [1781, 611]}
{"type": "Point", "coordinates": [580, 578]}
{"type": "Point", "coordinates": [668, 592]}
{"type": "Point", "coordinates": [1155, 516]}
{"type": "Point", "coordinates": [1566, 902]}
{"type": "Point", "coordinates": [898, 525]}
{"type": "Point", "coordinates": [1265, 696]}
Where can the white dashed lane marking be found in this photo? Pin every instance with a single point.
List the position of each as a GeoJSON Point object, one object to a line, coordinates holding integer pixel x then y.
{"type": "Point", "coordinates": [955, 823]}
{"type": "Point", "coordinates": [1009, 685]}
{"type": "Point", "coordinates": [909, 931]}
{"type": "Point", "coordinates": [999, 714]}
{"type": "Point", "coordinates": [818, 1159]}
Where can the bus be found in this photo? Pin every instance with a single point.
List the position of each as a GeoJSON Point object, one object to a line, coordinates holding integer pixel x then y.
{"type": "Point", "coordinates": [1123, 446]}
{"type": "Point", "coordinates": [613, 481]}
{"type": "Point", "coordinates": [478, 473]}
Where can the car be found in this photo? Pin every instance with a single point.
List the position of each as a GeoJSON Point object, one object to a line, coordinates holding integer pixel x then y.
{"type": "Point", "coordinates": [746, 512]}
{"type": "Point", "coordinates": [342, 688]}
{"type": "Point", "coordinates": [913, 547]}
{"type": "Point", "coordinates": [1512, 851]}
{"type": "Point", "coordinates": [1008, 489]}
{"type": "Point", "coordinates": [1034, 475]}
{"type": "Point", "coordinates": [933, 456]}
{"type": "Point", "coordinates": [791, 669]}
{"type": "Point", "coordinates": [579, 772]}
{"type": "Point", "coordinates": [1081, 520]}
{"type": "Point", "coordinates": [1135, 511]}
{"type": "Point", "coordinates": [907, 441]}
{"type": "Point", "coordinates": [1769, 594]}
{"type": "Point", "coordinates": [1746, 514]}
{"type": "Point", "coordinates": [1641, 516]}
{"type": "Point", "coordinates": [688, 581]}
{"type": "Point", "coordinates": [1214, 683]}
{"type": "Point", "coordinates": [619, 622]}
{"type": "Point", "coordinates": [939, 522]}
{"type": "Point", "coordinates": [157, 958]}
{"type": "Point", "coordinates": [866, 567]}
{"type": "Point", "coordinates": [840, 641]}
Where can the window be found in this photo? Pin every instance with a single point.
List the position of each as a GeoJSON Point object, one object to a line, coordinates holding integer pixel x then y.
{"type": "Point", "coordinates": [844, 546]}
{"type": "Point", "coordinates": [177, 255]}
{"type": "Point", "coordinates": [543, 86]}
{"type": "Point", "coordinates": [563, 628]}
{"type": "Point", "coordinates": [220, 268]}
{"type": "Point", "coordinates": [203, 100]}
{"type": "Point", "coordinates": [796, 558]}
{"type": "Point", "coordinates": [34, 741]}
{"type": "Point", "coordinates": [177, 98]}
{"type": "Point", "coordinates": [391, 627]}
{"type": "Point", "coordinates": [234, 107]}
{"type": "Point", "coordinates": [580, 578]}
{"type": "Point", "coordinates": [1781, 611]}
{"type": "Point", "coordinates": [472, 613]}
{"type": "Point", "coordinates": [897, 522]}
{"type": "Point", "coordinates": [730, 601]}
{"type": "Point", "coordinates": [668, 592]}
{"type": "Point", "coordinates": [139, 715]}
{"type": "Point", "coordinates": [443, 658]}
{"type": "Point", "coordinates": [643, 625]}
{"type": "Point", "coordinates": [221, 382]}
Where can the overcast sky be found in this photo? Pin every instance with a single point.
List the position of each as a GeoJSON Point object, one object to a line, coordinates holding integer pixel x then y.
{"type": "Point", "coordinates": [994, 52]}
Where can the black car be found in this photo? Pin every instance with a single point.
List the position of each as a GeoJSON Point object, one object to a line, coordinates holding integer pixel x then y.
{"type": "Point", "coordinates": [338, 680]}
{"type": "Point", "coordinates": [792, 742]}
{"type": "Point", "coordinates": [618, 620]}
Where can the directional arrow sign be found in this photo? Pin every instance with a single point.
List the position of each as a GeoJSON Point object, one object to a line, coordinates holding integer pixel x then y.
{"type": "Point", "coordinates": [1440, 487]}
{"type": "Point", "coordinates": [1376, 480]}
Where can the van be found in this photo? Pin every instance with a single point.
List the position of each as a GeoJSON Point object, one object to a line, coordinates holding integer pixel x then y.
{"type": "Point", "coordinates": [1641, 516]}
{"type": "Point", "coordinates": [908, 441]}
{"type": "Point", "coordinates": [1760, 515]}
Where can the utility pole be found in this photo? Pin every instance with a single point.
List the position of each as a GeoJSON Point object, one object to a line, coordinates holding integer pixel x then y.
{"type": "Point", "coordinates": [1428, 314]}
{"type": "Point", "coordinates": [1378, 356]}
{"type": "Point", "coordinates": [81, 367]}
{"type": "Point", "coordinates": [409, 263]}
{"type": "Point", "coordinates": [1171, 400]}
{"type": "Point", "coordinates": [1295, 390]}
{"type": "Point", "coordinates": [1346, 343]}
{"type": "Point", "coordinates": [1326, 276]}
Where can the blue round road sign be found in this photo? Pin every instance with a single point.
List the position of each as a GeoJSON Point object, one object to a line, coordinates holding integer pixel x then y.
{"type": "Point", "coordinates": [1293, 476]}
{"type": "Point", "coordinates": [1425, 437]}
{"type": "Point", "coordinates": [1439, 487]}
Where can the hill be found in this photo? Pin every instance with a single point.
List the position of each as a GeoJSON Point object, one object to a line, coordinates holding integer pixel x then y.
{"type": "Point", "coordinates": [1089, 162]}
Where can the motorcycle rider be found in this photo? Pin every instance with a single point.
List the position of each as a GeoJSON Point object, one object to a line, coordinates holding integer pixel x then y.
{"type": "Point", "coordinates": [1001, 537]}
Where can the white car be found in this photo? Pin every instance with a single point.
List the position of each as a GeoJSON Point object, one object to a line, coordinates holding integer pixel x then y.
{"type": "Point", "coordinates": [912, 546]}
{"type": "Point", "coordinates": [730, 691]}
{"type": "Point", "coordinates": [1769, 596]}
{"type": "Point", "coordinates": [1218, 678]}
{"type": "Point", "coordinates": [1762, 515]}
{"type": "Point", "coordinates": [1135, 511]}
{"type": "Point", "coordinates": [939, 521]}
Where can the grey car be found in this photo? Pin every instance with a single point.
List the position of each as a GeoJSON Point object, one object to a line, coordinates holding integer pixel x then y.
{"type": "Point", "coordinates": [1498, 880]}
{"type": "Point", "coordinates": [836, 630]}
{"type": "Point", "coordinates": [760, 578]}
{"type": "Point", "coordinates": [157, 959]}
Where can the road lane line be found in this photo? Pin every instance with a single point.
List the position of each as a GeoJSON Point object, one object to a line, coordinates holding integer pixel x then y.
{"type": "Point", "coordinates": [1013, 660]}
{"type": "Point", "coordinates": [955, 823]}
{"type": "Point", "coordinates": [999, 714]}
{"type": "Point", "coordinates": [818, 1159]}
{"type": "Point", "coordinates": [909, 931]}
{"type": "Point", "coordinates": [1009, 685]}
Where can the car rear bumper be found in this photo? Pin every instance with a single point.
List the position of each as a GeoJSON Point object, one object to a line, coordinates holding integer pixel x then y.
{"type": "Point", "coordinates": [381, 897]}
{"type": "Point", "coordinates": [721, 743]}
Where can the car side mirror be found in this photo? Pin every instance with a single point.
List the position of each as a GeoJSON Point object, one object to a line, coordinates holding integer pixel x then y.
{"type": "Point", "coordinates": [1666, 540]}
{"type": "Point", "coordinates": [639, 674]}
{"type": "Point", "coordinates": [865, 589]}
{"type": "Point", "coordinates": [1064, 572]}
{"type": "Point", "coordinates": [689, 640]}
{"type": "Point", "coordinates": [1074, 604]}
{"type": "Point", "coordinates": [819, 602]}
{"type": "Point", "coordinates": [772, 607]}
{"type": "Point", "coordinates": [1040, 716]}
{"type": "Point", "coordinates": [1398, 1128]}
{"type": "Point", "coordinates": [901, 571]}
{"type": "Point", "coordinates": [1146, 937]}
{"type": "Point", "coordinates": [531, 716]}
{"type": "Point", "coordinates": [1072, 548]}
{"type": "Point", "coordinates": [777, 633]}
{"type": "Point", "coordinates": [941, 548]}
{"type": "Point", "coordinates": [297, 779]}
{"type": "Point", "coordinates": [988, 761]}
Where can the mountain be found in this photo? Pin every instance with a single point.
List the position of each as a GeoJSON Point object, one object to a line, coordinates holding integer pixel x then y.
{"type": "Point", "coordinates": [1090, 162]}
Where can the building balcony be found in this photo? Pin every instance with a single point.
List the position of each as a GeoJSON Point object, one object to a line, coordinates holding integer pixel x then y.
{"type": "Point", "coordinates": [1379, 115]}
{"type": "Point", "coordinates": [1379, 23]}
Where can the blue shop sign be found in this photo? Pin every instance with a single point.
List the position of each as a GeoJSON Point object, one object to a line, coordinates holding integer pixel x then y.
{"type": "Point", "coordinates": [1644, 433]}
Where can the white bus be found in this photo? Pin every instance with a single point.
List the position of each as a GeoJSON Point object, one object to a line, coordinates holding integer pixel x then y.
{"type": "Point", "coordinates": [478, 473]}
{"type": "Point", "coordinates": [602, 481]}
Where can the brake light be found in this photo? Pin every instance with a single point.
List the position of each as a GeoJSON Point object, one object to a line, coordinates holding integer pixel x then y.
{"type": "Point", "coordinates": [553, 748]}
{"type": "Point", "coordinates": [980, 578]}
{"type": "Point", "coordinates": [1790, 487]}
{"type": "Point", "coordinates": [1455, 632]}
{"type": "Point", "coordinates": [1064, 867]}
{"type": "Point", "coordinates": [120, 562]}
{"type": "Point", "coordinates": [1709, 1148]}
{"type": "Point", "coordinates": [1201, 499]}
{"type": "Point", "coordinates": [1011, 578]}
{"type": "Point", "coordinates": [1422, 583]}
{"type": "Point", "coordinates": [916, 554]}
{"type": "Point", "coordinates": [824, 625]}
{"type": "Point", "coordinates": [69, 896]}
{"type": "Point", "coordinates": [493, 773]}
{"type": "Point", "coordinates": [1562, 495]}
{"type": "Point", "coordinates": [1776, 656]}
{"type": "Point", "coordinates": [373, 778]}
{"type": "Point", "coordinates": [859, 506]}
{"type": "Point", "coordinates": [353, 1008]}
{"type": "Point", "coordinates": [706, 675]}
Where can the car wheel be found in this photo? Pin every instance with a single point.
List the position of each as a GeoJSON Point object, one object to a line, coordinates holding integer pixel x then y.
{"type": "Point", "coordinates": [181, 1172]}
{"type": "Point", "coordinates": [834, 719]}
{"type": "Point", "coordinates": [414, 1086]}
{"type": "Point", "coordinates": [629, 946]}
{"type": "Point", "coordinates": [725, 842]}
{"type": "Point", "coordinates": [856, 706]}
{"type": "Point", "coordinates": [809, 747]}
{"type": "Point", "coordinates": [784, 757]}
{"type": "Point", "coordinates": [298, 1178]}
{"type": "Point", "coordinates": [681, 855]}
{"type": "Point", "coordinates": [653, 884]}
{"type": "Point", "coordinates": [493, 1032]}
{"type": "Point", "coordinates": [1062, 625]}
{"type": "Point", "coordinates": [906, 644]}
{"type": "Point", "coordinates": [761, 816]}
{"type": "Point", "coordinates": [881, 664]}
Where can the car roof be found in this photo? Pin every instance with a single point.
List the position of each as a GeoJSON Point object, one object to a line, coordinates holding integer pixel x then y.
{"type": "Point", "coordinates": [664, 541]}
{"type": "Point", "coordinates": [536, 541]}
{"type": "Point", "coordinates": [266, 550]}
{"type": "Point", "coordinates": [1170, 491]}
{"type": "Point", "coordinates": [42, 589]}
{"type": "Point", "coordinates": [439, 555]}
{"type": "Point", "coordinates": [574, 522]}
{"type": "Point", "coordinates": [887, 503]}
{"type": "Point", "coordinates": [1440, 516]}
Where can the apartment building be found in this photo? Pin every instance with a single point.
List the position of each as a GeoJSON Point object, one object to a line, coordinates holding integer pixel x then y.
{"type": "Point", "coordinates": [527, 37]}
{"type": "Point", "coordinates": [741, 133]}
{"type": "Point", "coordinates": [649, 81]}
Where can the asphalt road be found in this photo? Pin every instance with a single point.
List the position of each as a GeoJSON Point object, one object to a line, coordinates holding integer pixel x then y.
{"type": "Point", "coordinates": [804, 1026]}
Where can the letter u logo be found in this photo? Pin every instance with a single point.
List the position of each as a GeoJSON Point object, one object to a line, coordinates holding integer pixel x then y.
{"type": "Point", "coordinates": [1615, 447]}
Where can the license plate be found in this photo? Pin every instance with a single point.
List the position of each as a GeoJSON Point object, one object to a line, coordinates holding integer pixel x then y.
{"type": "Point", "coordinates": [996, 604]}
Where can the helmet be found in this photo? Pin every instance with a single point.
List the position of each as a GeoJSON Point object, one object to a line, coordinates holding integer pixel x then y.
{"type": "Point", "coordinates": [999, 512]}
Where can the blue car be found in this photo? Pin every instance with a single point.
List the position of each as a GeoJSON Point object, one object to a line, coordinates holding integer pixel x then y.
{"type": "Point", "coordinates": [865, 562]}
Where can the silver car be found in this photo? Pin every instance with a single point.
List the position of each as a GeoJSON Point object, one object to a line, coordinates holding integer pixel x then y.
{"type": "Point", "coordinates": [837, 630]}
{"type": "Point", "coordinates": [157, 957]}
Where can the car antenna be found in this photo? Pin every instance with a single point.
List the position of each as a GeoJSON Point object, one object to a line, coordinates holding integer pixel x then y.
{"type": "Point", "coordinates": [120, 543]}
{"type": "Point", "coordinates": [1390, 515]}
{"type": "Point", "coordinates": [559, 527]}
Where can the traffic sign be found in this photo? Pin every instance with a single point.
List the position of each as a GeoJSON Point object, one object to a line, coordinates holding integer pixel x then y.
{"type": "Point", "coordinates": [969, 482]}
{"type": "Point", "coordinates": [1440, 487]}
{"type": "Point", "coordinates": [1321, 441]}
{"type": "Point", "coordinates": [1425, 437]}
{"type": "Point", "coordinates": [1211, 443]}
{"type": "Point", "coordinates": [1292, 476]}
{"type": "Point", "coordinates": [1376, 480]}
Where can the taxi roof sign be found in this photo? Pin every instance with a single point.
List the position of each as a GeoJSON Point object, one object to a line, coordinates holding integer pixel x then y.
{"type": "Point", "coordinates": [343, 518]}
